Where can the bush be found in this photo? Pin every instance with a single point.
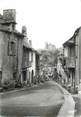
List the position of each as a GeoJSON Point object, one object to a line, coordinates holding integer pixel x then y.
{"type": "Point", "coordinates": [42, 79]}
{"type": "Point", "coordinates": [8, 84]}
{"type": "Point", "coordinates": [18, 84]}
{"type": "Point", "coordinates": [5, 84]}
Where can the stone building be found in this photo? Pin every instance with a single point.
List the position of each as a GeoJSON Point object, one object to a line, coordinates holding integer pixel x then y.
{"type": "Point", "coordinates": [72, 55]}
{"type": "Point", "coordinates": [50, 47]}
{"type": "Point", "coordinates": [10, 46]}
{"type": "Point", "coordinates": [16, 54]}
{"type": "Point", "coordinates": [30, 61]}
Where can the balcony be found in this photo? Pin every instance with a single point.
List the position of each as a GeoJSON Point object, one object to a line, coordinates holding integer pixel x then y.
{"type": "Point", "coordinates": [70, 62]}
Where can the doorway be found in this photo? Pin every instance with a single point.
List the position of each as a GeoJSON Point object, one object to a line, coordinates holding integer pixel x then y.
{"type": "Point", "coordinates": [32, 76]}
{"type": "Point", "coordinates": [24, 75]}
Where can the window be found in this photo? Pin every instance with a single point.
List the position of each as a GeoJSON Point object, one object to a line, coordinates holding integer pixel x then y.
{"type": "Point", "coordinates": [11, 48]}
{"type": "Point", "coordinates": [72, 52]}
{"type": "Point", "coordinates": [32, 56]}
{"type": "Point", "coordinates": [66, 52]}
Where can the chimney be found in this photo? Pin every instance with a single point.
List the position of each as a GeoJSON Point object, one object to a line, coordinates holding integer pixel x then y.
{"type": "Point", "coordinates": [30, 43]}
{"type": "Point", "coordinates": [9, 15]}
{"type": "Point", "coordinates": [24, 30]}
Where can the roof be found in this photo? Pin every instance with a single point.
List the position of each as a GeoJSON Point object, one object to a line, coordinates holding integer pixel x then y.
{"type": "Point", "coordinates": [70, 41]}
{"type": "Point", "coordinates": [26, 45]}
{"type": "Point", "coordinates": [7, 29]}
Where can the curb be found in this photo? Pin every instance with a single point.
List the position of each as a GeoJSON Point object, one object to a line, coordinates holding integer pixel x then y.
{"type": "Point", "coordinates": [18, 90]}
{"type": "Point", "coordinates": [68, 108]}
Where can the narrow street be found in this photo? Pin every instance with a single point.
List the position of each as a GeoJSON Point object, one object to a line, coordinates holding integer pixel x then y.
{"type": "Point", "coordinates": [44, 100]}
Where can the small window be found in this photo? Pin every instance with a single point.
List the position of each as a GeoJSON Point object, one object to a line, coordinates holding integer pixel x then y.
{"type": "Point", "coordinates": [11, 48]}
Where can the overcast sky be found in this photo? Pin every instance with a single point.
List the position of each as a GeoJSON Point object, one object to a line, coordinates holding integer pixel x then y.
{"type": "Point", "coordinates": [51, 21]}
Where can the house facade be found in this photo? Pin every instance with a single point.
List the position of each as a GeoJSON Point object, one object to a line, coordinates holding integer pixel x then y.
{"type": "Point", "coordinates": [10, 46]}
{"type": "Point", "coordinates": [18, 60]}
{"type": "Point", "coordinates": [72, 58]}
{"type": "Point", "coordinates": [30, 62]}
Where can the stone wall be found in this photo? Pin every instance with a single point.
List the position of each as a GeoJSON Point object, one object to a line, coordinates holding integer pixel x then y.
{"type": "Point", "coordinates": [9, 61]}
{"type": "Point", "coordinates": [20, 55]}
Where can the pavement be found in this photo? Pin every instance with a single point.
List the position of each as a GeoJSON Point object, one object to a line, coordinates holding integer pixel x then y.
{"type": "Point", "coordinates": [68, 108]}
{"type": "Point", "coordinates": [48, 99]}
{"type": "Point", "coordinates": [77, 99]}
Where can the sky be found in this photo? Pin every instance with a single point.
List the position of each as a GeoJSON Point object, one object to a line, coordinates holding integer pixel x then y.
{"type": "Point", "coordinates": [52, 21]}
